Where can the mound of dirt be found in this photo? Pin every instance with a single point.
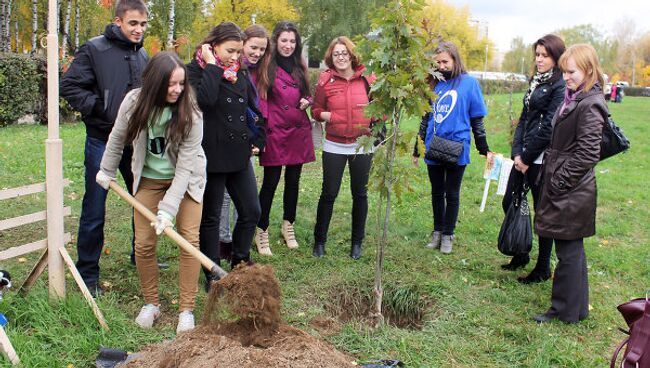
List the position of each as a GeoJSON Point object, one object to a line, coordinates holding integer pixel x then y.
{"type": "Point", "coordinates": [207, 346]}
{"type": "Point", "coordinates": [256, 338]}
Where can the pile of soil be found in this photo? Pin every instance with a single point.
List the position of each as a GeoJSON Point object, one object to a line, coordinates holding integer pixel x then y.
{"type": "Point", "coordinates": [257, 337]}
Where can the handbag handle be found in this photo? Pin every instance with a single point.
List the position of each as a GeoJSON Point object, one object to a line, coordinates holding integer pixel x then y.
{"type": "Point", "coordinates": [612, 363]}
{"type": "Point", "coordinates": [639, 338]}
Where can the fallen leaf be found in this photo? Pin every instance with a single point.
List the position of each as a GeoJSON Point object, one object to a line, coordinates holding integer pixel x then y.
{"type": "Point", "coordinates": [590, 307]}
{"type": "Point", "coordinates": [107, 285]}
{"type": "Point", "coordinates": [301, 314]}
{"type": "Point", "coordinates": [174, 301]}
{"type": "Point", "coordinates": [107, 250]}
{"type": "Point", "coordinates": [70, 366]}
{"type": "Point", "coordinates": [605, 242]}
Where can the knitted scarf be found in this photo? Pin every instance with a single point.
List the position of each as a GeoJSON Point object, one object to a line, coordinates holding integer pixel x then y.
{"type": "Point", "coordinates": [538, 79]}
{"type": "Point", "coordinates": [569, 96]}
{"type": "Point", "coordinates": [230, 72]}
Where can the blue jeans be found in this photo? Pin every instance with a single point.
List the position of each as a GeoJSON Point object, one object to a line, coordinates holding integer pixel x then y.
{"type": "Point", "coordinates": [90, 239]}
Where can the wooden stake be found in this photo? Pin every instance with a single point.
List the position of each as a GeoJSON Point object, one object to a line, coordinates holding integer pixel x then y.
{"type": "Point", "coordinates": [83, 288]}
{"type": "Point", "coordinates": [7, 348]}
{"type": "Point", "coordinates": [38, 269]}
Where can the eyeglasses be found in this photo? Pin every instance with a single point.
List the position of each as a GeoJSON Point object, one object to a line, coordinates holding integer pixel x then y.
{"type": "Point", "coordinates": [342, 55]}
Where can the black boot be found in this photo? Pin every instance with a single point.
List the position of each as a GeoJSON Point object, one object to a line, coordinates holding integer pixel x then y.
{"type": "Point", "coordinates": [225, 250]}
{"type": "Point", "coordinates": [535, 277]}
{"type": "Point", "coordinates": [355, 251]}
{"type": "Point", "coordinates": [236, 261]}
{"type": "Point", "coordinates": [319, 250]}
{"type": "Point", "coordinates": [516, 262]}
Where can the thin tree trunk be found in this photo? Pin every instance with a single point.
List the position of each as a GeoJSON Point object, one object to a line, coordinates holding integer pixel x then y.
{"type": "Point", "coordinates": [377, 313]}
{"type": "Point", "coordinates": [17, 34]}
{"type": "Point", "coordinates": [77, 21]}
{"type": "Point", "coordinates": [7, 34]}
{"type": "Point", "coordinates": [34, 24]}
{"type": "Point", "coordinates": [66, 30]}
{"type": "Point", "coordinates": [170, 32]}
{"type": "Point", "coordinates": [3, 17]}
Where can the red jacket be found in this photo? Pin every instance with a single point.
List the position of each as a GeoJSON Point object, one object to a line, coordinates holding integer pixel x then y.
{"type": "Point", "coordinates": [345, 99]}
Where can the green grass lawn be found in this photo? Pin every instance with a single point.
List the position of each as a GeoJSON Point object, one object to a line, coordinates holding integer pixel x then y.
{"type": "Point", "coordinates": [475, 314]}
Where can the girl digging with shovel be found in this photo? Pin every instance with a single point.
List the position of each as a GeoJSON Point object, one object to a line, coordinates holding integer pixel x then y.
{"type": "Point", "coordinates": [165, 127]}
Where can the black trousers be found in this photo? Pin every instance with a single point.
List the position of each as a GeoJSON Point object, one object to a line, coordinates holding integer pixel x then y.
{"type": "Point", "coordinates": [445, 196]}
{"type": "Point", "coordinates": [570, 295]}
{"type": "Point", "coordinates": [242, 187]}
{"type": "Point", "coordinates": [289, 198]}
{"type": "Point", "coordinates": [333, 168]}
{"type": "Point", "coordinates": [545, 244]}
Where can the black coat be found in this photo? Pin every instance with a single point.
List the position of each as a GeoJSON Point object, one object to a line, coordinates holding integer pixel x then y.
{"type": "Point", "coordinates": [567, 203]}
{"type": "Point", "coordinates": [533, 133]}
{"type": "Point", "coordinates": [226, 136]}
{"type": "Point", "coordinates": [104, 70]}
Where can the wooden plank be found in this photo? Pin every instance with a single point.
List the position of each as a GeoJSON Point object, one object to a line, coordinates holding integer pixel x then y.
{"type": "Point", "coordinates": [26, 190]}
{"type": "Point", "coordinates": [28, 248]}
{"type": "Point", "coordinates": [38, 269]}
{"type": "Point", "coordinates": [28, 219]}
{"type": "Point", "coordinates": [82, 286]}
{"type": "Point", "coordinates": [7, 348]}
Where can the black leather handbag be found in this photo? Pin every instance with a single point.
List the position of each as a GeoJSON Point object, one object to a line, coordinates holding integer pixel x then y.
{"type": "Point", "coordinates": [614, 141]}
{"type": "Point", "coordinates": [444, 151]}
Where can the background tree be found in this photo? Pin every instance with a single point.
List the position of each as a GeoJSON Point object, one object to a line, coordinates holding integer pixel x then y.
{"type": "Point", "coordinates": [267, 13]}
{"type": "Point", "coordinates": [519, 59]}
{"type": "Point", "coordinates": [454, 24]}
{"type": "Point", "coordinates": [398, 57]}
{"type": "Point", "coordinates": [321, 21]}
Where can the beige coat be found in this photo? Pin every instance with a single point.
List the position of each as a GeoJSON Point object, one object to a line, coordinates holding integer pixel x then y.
{"type": "Point", "coordinates": [187, 157]}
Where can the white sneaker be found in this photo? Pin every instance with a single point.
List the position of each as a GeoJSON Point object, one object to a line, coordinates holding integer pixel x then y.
{"type": "Point", "coordinates": [148, 314]}
{"type": "Point", "coordinates": [185, 321]}
{"type": "Point", "coordinates": [436, 237]}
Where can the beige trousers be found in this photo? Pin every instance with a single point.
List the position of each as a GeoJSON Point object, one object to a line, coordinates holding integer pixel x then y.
{"type": "Point", "coordinates": [150, 193]}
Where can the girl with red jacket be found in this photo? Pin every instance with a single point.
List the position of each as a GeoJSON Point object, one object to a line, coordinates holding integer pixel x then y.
{"type": "Point", "coordinates": [283, 87]}
{"type": "Point", "coordinates": [341, 95]}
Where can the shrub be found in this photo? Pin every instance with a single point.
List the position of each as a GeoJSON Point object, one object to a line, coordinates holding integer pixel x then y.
{"type": "Point", "coordinates": [637, 91]}
{"type": "Point", "coordinates": [19, 86]}
{"type": "Point", "coordinates": [23, 90]}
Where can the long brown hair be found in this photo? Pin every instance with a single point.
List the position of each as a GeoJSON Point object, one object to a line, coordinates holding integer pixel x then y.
{"type": "Point", "coordinates": [153, 99]}
{"type": "Point", "coordinates": [225, 31]}
{"type": "Point", "coordinates": [258, 31]}
{"type": "Point", "coordinates": [554, 47]}
{"type": "Point", "coordinates": [266, 72]}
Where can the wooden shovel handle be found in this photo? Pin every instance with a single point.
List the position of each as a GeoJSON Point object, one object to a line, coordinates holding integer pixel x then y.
{"type": "Point", "coordinates": [170, 232]}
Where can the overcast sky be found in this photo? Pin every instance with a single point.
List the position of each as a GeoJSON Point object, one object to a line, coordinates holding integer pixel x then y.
{"type": "Point", "coordinates": [507, 19]}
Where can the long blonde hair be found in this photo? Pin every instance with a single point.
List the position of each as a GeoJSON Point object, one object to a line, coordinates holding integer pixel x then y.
{"type": "Point", "coordinates": [586, 60]}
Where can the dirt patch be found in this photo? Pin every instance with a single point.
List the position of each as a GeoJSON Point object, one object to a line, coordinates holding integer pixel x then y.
{"type": "Point", "coordinates": [242, 327]}
{"type": "Point", "coordinates": [404, 306]}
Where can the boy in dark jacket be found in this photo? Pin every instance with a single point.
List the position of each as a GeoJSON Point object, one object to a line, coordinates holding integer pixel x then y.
{"type": "Point", "coordinates": [104, 69]}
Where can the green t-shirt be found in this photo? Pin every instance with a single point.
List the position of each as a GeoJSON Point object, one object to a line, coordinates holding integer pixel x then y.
{"type": "Point", "coordinates": [156, 163]}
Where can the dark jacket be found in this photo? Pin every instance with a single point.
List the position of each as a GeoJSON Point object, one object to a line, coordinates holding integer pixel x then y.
{"type": "Point", "coordinates": [533, 132]}
{"type": "Point", "coordinates": [345, 100]}
{"type": "Point", "coordinates": [226, 136]}
{"type": "Point", "coordinates": [567, 204]}
{"type": "Point", "coordinates": [104, 70]}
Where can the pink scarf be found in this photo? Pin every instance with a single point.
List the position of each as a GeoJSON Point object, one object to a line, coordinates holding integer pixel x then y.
{"type": "Point", "coordinates": [230, 72]}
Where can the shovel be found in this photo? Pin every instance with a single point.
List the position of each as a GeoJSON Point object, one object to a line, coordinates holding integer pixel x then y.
{"type": "Point", "coordinates": [170, 232]}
